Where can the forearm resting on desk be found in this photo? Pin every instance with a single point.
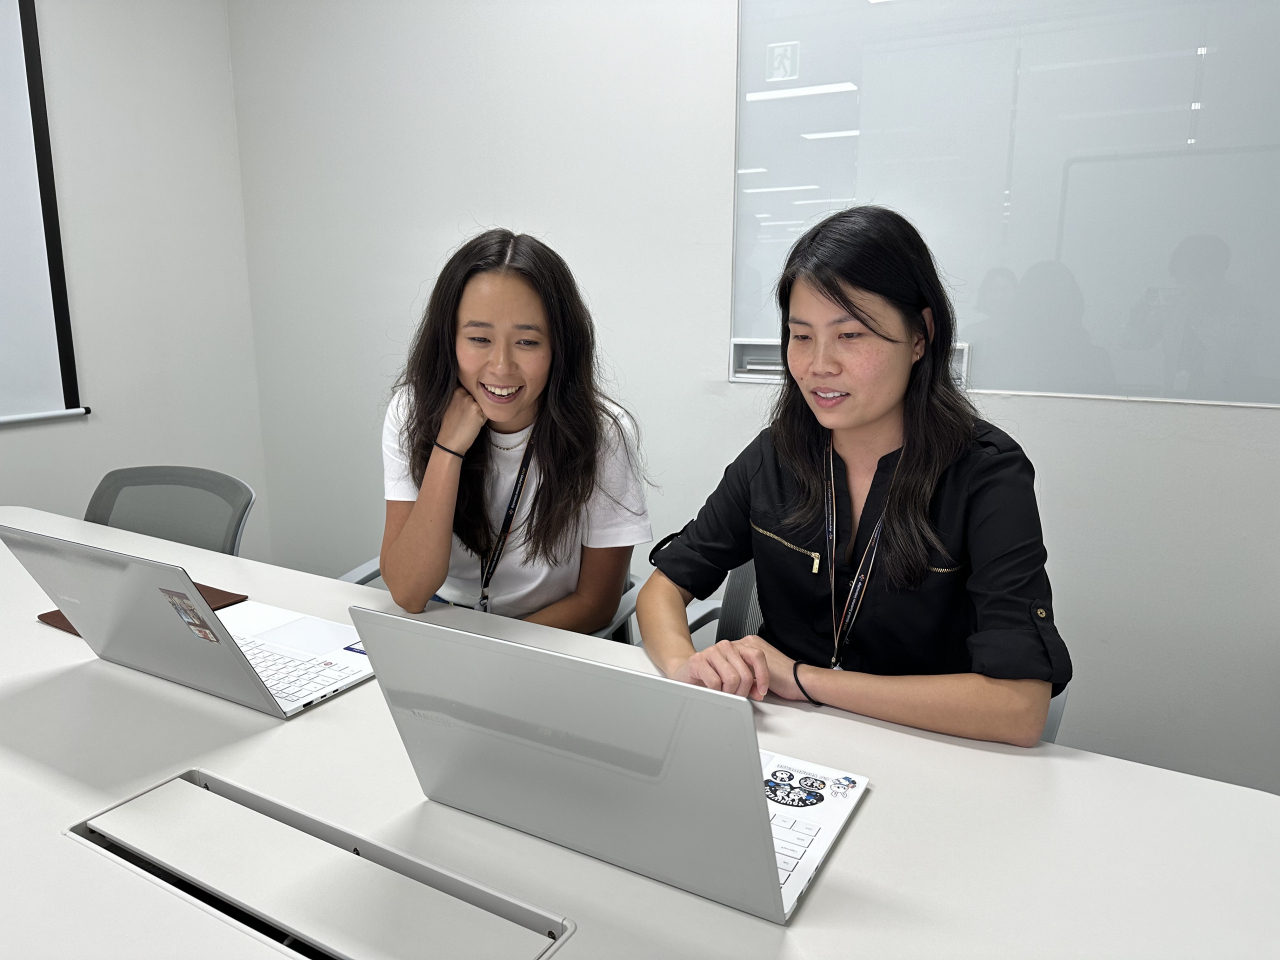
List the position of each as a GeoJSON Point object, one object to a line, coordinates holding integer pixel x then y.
{"type": "Point", "coordinates": [964, 705]}
{"type": "Point", "coordinates": [961, 704]}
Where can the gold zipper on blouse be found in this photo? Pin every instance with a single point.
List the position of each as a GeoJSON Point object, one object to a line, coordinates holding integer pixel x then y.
{"type": "Point", "coordinates": [943, 569]}
{"type": "Point", "coordinates": [817, 557]}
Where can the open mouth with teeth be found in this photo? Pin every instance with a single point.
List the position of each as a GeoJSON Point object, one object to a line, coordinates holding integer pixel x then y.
{"type": "Point", "coordinates": [828, 398]}
{"type": "Point", "coordinates": [500, 394]}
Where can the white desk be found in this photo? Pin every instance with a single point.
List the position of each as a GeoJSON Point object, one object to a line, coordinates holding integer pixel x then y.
{"type": "Point", "coordinates": [961, 849]}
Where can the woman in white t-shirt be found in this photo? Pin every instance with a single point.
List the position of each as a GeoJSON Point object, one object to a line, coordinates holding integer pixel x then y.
{"type": "Point", "coordinates": [500, 385]}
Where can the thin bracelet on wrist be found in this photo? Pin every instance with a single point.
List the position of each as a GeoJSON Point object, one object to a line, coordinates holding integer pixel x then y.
{"type": "Point", "coordinates": [795, 675]}
{"type": "Point", "coordinates": [437, 443]}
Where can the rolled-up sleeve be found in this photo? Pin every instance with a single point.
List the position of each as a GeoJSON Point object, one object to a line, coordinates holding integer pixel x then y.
{"type": "Point", "coordinates": [1016, 638]}
{"type": "Point", "coordinates": [701, 555]}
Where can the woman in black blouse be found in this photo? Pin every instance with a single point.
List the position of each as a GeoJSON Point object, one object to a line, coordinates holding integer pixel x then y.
{"type": "Point", "coordinates": [897, 544]}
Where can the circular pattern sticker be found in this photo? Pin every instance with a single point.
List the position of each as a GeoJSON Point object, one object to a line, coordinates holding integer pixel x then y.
{"type": "Point", "coordinates": [789, 796]}
{"type": "Point", "coordinates": [782, 776]}
{"type": "Point", "coordinates": [813, 783]}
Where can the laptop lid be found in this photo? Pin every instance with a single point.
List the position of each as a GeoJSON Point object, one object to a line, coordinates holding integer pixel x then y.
{"type": "Point", "coordinates": [141, 614]}
{"type": "Point", "coordinates": [659, 777]}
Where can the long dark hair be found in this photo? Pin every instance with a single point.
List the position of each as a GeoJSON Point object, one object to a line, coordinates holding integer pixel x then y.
{"type": "Point", "coordinates": [573, 422]}
{"type": "Point", "coordinates": [874, 249]}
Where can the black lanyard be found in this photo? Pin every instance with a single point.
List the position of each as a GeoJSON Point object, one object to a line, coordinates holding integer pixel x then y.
{"type": "Point", "coordinates": [840, 629]}
{"type": "Point", "coordinates": [490, 564]}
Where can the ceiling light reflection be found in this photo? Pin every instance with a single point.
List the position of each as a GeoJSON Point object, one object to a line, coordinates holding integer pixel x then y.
{"type": "Point", "coordinates": [845, 87]}
{"type": "Point", "coordinates": [810, 186]}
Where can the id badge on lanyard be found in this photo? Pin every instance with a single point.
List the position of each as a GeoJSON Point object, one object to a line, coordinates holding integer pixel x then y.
{"type": "Point", "coordinates": [490, 564]}
{"type": "Point", "coordinates": [840, 628]}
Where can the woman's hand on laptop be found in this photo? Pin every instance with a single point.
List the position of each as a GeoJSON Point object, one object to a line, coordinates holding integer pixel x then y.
{"type": "Point", "coordinates": [732, 666]}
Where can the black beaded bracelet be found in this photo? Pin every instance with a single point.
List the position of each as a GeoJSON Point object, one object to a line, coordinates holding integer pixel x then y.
{"type": "Point", "coordinates": [437, 443]}
{"type": "Point", "coordinates": [795, 675]}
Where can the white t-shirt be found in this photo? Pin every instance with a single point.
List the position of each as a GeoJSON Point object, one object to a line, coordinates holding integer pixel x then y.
{"type": "Point", "coordinates": [616, 516]}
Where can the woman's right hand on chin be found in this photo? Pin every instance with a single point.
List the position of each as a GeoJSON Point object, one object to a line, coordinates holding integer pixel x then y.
{"type": "Point", "coordinates": [463, 421]}
{"type": "Point", "coordinates": [729, 666]}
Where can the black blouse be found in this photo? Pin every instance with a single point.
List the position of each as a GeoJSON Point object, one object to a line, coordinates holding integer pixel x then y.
{"type": "Point", "coordinates": [986, 609]}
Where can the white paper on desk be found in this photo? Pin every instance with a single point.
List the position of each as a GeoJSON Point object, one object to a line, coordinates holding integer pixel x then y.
{"type": "Point", "coordinates": [811, 794]}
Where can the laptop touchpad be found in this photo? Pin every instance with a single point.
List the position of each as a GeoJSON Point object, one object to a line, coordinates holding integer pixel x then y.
{"type": "Point", "coordinates": [310, 635]}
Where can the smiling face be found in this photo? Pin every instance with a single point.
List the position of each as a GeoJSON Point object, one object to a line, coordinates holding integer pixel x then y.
{"type": "Point", "coordinates": [503, 347]}
{"type": "Point", "coordinates": [852, 379]}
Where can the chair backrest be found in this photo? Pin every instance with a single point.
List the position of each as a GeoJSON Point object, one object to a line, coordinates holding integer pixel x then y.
{"type": "Point", "coordinates": [1054, 720]}
{"type": "Point", "coordinates": [619, 630]}
{"type": "Point", "coordinates": [191, 505]}
{"type": "Point", "coordinates": [740, 610]}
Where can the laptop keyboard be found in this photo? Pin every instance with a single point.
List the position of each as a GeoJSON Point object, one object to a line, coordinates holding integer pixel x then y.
{"type": "Point", "coordinates": [291, 679]}
{"type": "Point", "coordinates": [791, 840]}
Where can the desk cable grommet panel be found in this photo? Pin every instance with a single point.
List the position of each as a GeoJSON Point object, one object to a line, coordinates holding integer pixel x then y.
{"type": "Point", "coordinates": [308, 885]}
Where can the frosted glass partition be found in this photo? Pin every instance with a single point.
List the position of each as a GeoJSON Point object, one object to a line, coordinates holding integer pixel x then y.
{"type": "Point", "coordinates": [1100, 181]}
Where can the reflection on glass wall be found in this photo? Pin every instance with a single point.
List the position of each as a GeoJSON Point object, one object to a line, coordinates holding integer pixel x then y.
{"type": "Point", "coordinates": [1100, 181]}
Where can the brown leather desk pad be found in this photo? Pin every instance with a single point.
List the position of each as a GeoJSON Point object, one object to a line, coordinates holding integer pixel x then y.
{"type": "Point", "coordinates": [215, 598]}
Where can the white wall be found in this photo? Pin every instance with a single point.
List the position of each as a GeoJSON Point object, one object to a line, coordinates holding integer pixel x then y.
{"type": "Point", "coordinates": [144, 150]}
{"type": "Point", "coordinates": [375, 137]}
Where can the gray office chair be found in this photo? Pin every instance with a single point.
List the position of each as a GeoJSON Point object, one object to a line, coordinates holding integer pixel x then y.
{"type": "Point", "coordinates": [1054, 720]}
{"type": "Point", "coordinates": [739, 616]}
{"type": "Point", "coordinates": [202, 508]}
{"type": "Point", "coordinates": [738, 613]}
{"type": "Point", "coordinates": [618, 629]}
{"type": "Point", "coordinates": [367, 572]}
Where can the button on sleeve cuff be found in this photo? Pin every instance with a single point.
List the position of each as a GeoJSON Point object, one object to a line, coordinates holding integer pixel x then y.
{"type": "Point", "coordinates": [1034, 652]}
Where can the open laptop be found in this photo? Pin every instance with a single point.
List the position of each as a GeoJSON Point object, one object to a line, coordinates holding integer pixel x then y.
{"type": "Point", "coordinates": [656, 776]}
{"type": "Point", "coordinates": [149, 616]}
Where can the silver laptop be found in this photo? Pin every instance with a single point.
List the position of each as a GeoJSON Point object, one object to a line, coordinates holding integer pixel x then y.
{"type": "Point", "coordinates": [149, 616]}
{"type": "Point", "coordinates": [659, 777]}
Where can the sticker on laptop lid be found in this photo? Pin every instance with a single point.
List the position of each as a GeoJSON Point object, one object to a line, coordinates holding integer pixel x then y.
{"type": "Point", "coordinates": [805, 793]}
{"type": "Point", "coordinates": [185, 609]}
{"type": "Point", "coordinates": [357, 647]}
{"type": "Point", "coordinates": [793, 783]}
{"type": "Point", "coordinates": [841, 787]}
{"type": "Point", "coordinates": [793, 787]}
